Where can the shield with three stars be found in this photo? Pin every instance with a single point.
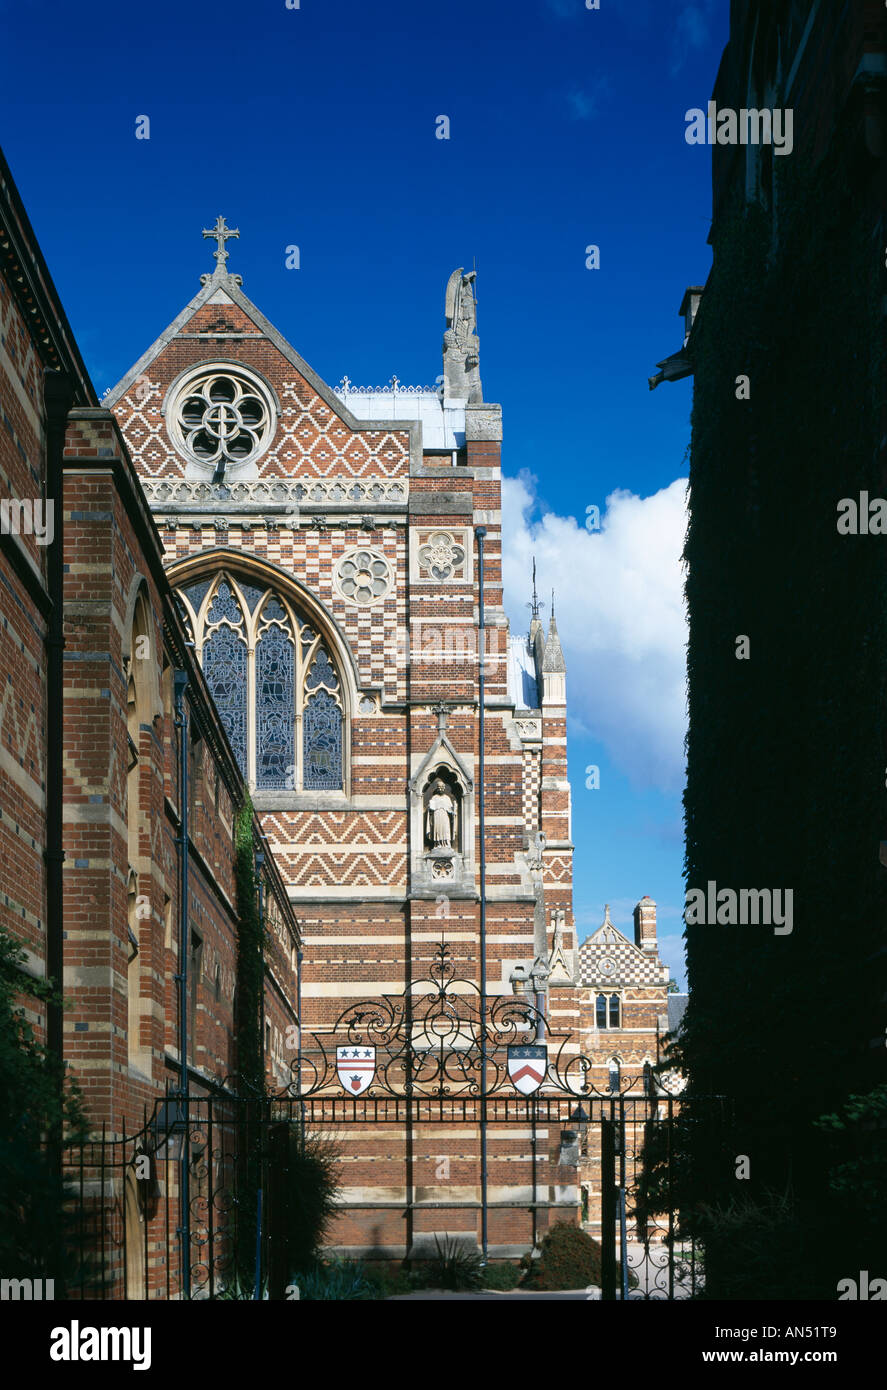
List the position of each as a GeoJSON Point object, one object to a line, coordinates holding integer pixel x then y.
{"type": "Point", "coordinates": [527, 1065]}
{"type": "Point", "coordinates": [356, 1066]}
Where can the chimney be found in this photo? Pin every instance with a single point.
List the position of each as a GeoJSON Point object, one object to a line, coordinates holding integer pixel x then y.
{"type": "Point", "coordinates": [645, 925]}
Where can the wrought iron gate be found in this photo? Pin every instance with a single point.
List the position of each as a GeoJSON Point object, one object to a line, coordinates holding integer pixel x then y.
{"type": "Point", "coordinates": [201, 1190]}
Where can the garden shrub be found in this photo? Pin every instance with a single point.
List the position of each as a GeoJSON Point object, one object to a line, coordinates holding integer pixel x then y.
{"type": "Point", "coordinates": [570, 1259]}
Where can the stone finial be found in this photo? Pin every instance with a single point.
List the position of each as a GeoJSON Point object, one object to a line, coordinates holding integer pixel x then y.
{"type": "Point", "coordinates": [220, 234]}
{"type": "Point", "coordinates": [461, 346]}
{"type": "Point", "coordinates": [553, 657]}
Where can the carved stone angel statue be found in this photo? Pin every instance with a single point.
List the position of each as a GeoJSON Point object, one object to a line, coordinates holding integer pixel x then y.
{"type": "Point", "coordinates": [441, 816]}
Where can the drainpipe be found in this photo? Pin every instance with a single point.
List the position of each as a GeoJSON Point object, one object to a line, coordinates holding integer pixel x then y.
{"type": "Point", "coordinates": [480, 533]}
{"type": "Point", "coordinates": [299, 1051]}
{"type": "Point", "coordinates": [180, 684]}
{"type": "Point", "coordinates": [58, 396]}
{"type": "Point", "coordinates": [260, 865]}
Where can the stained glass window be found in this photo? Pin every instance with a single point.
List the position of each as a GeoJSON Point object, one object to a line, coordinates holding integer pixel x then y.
{"type": "Point", "coordinates": [248, 641]}
{"type": "Point", "coordinates": [252, 595]}
{"type": "Point", "coordinates": [275, 708]}
{"type": "Point", "coordinates": [322, 743]}
{"type": "Point", "coordinates": [196, 593]}
{"type": "Point", "coordinates": [322, 673]}
{"type": "Point", "coordinates": [224, 605]}
{"type": "Point", "coordinates": [224, 665]}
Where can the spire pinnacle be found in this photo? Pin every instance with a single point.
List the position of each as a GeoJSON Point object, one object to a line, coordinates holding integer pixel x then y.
{"type": "Point", "coordinates": [553, 656]}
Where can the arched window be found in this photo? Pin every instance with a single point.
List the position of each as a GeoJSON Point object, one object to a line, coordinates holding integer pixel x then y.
{"type": "Point", "coordinates": [600, 1011]}
{"type": "Point", "coordinates": [607, 1011]}
{"type": "Point", "coordinates": [274, 682]}
{"type": "Point", "coordinates": [614, 1075]}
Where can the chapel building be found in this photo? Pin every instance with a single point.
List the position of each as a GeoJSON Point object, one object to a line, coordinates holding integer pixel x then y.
{"type": "Point", "coordinates": [328, 547]}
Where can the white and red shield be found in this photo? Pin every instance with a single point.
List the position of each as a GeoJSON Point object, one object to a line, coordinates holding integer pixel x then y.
{"type": "Point", "coordinates": [527, 1066]}
{"type": "Point", "coordinates": [356, 1067]}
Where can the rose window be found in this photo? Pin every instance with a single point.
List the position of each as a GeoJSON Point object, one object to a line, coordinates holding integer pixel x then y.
{"type": "Point", "coordinates": [363, 576]}
{"type": "Point", "coordinates": [222, 417]}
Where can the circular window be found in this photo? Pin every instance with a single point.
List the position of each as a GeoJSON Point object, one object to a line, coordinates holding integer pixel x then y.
{"type": "Point", "coordinates": [221, 416]}
{"type": "Point", "coordinates": [607, 966]}
{"type": "Point", "coordinates": [363, 576]}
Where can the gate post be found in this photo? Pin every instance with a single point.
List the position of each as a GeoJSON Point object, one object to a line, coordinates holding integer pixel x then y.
{"type": "Point", "coordinates": [608, 1208]}
{"type": "Point", "coordinates": [279, 1195]}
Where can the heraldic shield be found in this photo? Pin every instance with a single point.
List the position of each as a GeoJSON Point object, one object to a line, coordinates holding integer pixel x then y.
{"type": "Point", "coordinates": [356, 1067]}
{"type": "Point", "coordinates": [527, 1066]}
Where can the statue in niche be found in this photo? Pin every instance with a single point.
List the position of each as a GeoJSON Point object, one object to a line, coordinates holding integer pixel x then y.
{"type": "Point", "coordinates": [441, 817]}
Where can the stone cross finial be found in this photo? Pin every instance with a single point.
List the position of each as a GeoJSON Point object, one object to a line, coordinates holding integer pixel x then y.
{"type": "Point", "coordinates": [220, 234]}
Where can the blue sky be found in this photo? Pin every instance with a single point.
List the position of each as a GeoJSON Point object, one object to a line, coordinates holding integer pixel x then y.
{"type": "Point", "coordinates": [316, 127]}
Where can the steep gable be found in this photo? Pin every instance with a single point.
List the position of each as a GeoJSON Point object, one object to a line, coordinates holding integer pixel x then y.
{"type": "Point", "coordinates": [314, 434]}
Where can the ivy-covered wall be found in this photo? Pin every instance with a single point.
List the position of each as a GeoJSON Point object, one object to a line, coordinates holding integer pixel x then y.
{"type": "Point", "coordinates": [786, 750]}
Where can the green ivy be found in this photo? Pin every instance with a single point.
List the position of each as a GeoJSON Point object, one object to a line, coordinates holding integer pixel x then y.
{"type": "Point", "coordinates": [248, 1022]}
{"type": "Point", "coordinates": [40, 1108]}
{"type": "Point", "coordinates": [250, 956]}
{"type": "Point", "coordinates": [786, 756]}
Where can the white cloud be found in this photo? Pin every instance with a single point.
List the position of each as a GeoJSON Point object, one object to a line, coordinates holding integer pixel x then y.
{"type": "Point", "coordinates": [620, 614]}
{"type": "Point", "coordinates": [584, 102]}
{"type": "Point", "coordinates": [692, 32]}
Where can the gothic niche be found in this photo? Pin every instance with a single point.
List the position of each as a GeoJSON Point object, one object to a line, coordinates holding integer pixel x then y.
{"type": "Point", "coordinates": [442, 820]}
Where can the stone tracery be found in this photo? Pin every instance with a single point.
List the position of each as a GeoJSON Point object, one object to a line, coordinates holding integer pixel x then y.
{"type": "Point", "coordinates": [280, 700]}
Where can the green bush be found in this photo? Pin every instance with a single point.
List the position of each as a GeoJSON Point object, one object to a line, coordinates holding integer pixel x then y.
{"type": "Point", "coordinates": [389, 1279]}
{"type": "Point", "coordinates": [569, 1259]}
{"type": "Point", "coordinates": [502, 1276]}
{"type": "Point", "coordinates": [239, 1291]}
{"type": "Point", "coordinates": [334, 1281]}
{"type": "Point", "coordinates": [40, 1108]}
{"type": "Point", "coordinates": [759, 1250]}
{"type": "Point", "coordinates": [454, 1267]}
{"type": "Point", "coordinates": [313, 1182]}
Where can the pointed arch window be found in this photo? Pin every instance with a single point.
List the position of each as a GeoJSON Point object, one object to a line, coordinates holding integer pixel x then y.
{"type": "Point", "coordinates": [274, 682]}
